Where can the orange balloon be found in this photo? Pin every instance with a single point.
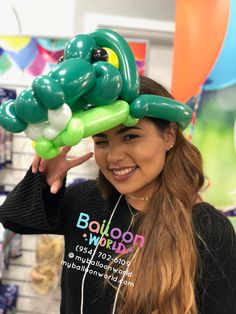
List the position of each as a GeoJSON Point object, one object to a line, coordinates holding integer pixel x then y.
{"type": "Point", "coordinates": [200, 30]}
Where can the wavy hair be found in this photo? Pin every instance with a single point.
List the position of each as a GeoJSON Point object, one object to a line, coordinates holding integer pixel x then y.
{"type": "Point", "coordinates": [164, 270]}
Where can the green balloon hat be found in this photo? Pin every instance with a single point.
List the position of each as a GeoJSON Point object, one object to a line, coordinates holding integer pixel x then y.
{"type": "Point", "coordinates": [94, 88]}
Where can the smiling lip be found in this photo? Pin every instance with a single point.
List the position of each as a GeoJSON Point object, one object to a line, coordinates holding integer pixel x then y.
{"type": "Point", "coordinates": [121, 177]}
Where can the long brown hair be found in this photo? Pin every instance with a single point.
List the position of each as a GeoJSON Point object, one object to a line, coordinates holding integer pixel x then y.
{"type": "Point", "coordinates": [164, 270]}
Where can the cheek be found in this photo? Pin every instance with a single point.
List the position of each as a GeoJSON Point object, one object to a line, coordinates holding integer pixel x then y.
{"type": "Point", "coordinates": [151, 158]}
{"type": "Point", "coordinates": [150, 152]}
{"type": "Point", "coordinates": [99, 157]}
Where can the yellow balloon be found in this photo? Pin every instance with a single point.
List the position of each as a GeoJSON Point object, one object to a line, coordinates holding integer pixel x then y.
{"type": "Point", "coordinates": [33, 144]}
{"type": "Point", "coordinates": [15, 43]}
{"type": "Point", "coordinates": [112, 57]}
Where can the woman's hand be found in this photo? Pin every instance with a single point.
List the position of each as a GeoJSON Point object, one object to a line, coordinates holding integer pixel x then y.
{"type": "Point", "coordinates": [55, 170]}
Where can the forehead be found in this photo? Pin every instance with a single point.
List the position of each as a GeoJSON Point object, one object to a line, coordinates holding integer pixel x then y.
{"type": "Point", "coordinates": [143, 125]}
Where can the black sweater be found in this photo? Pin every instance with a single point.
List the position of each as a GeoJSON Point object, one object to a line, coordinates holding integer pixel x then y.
{"type": "Point", "coordinates": [31, 209]}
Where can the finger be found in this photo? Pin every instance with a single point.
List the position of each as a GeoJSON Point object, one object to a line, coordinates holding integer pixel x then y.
{"type": "Point", "coordinates": [78, 161]}
{"type": "Point", "coordinates": [43, 164]}
{"type": "Point", "coordinates": [35, 163]}
{"type": "Point", "coordinates": [55, 187]}
{"type": "Point", "coordinates": [64, 150]}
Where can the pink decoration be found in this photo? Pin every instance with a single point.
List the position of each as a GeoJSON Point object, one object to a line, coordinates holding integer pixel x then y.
{"type": "Point", "coordinates": [37, 66]}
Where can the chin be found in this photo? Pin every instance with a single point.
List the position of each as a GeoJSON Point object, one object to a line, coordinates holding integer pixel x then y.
{"type": "Point", "coordinates": [125, 188]}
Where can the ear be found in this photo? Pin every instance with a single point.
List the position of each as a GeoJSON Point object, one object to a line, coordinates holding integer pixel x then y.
{"type": "Point", "coordinates": [170, 136]}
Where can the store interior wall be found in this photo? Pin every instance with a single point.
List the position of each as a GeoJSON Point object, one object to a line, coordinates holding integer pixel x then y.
{"type": "Point", "coordinates": [149, 9]}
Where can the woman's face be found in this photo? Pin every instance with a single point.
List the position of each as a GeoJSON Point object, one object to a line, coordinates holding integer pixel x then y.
{"type": "Point", "coordinates": [132, 157]}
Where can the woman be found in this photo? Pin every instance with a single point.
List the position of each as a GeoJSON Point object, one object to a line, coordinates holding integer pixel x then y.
{"type": "Point", "coordinates": [138, 239]}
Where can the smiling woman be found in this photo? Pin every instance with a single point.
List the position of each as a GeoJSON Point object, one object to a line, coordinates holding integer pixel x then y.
{"type": "Point", "coordinates": [132, 158]}
{"type": "Point", "coordinates": [150, 176]}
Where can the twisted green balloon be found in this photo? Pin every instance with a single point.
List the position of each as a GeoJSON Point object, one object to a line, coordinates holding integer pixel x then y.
{"type": "Point", "coordinates": [85, 94]}
{"type": "Point", "coordinates": [162, 108]}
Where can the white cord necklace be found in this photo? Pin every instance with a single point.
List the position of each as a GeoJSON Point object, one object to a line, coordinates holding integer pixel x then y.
{"type": "Point", "coordinates": [133, 215]}
{"type": "Point", "coordinates": [118, 290]}
{"type": "Point", "coordinates": [91, 259]}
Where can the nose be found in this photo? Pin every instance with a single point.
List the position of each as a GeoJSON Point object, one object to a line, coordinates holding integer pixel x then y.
{"type": "Point", "coordinates": [115, 154]}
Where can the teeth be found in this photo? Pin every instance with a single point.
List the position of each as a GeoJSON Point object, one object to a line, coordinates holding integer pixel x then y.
{"type": "Point", "coordinates": [123, 172]}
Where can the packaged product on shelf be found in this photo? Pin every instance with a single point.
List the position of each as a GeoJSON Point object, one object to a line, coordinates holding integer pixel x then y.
{"type": "Point", "coordinates": [8, 298]}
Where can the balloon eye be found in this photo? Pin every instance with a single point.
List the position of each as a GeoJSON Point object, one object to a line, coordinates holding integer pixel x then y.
{"type": "Point", "coordinates": [112, 58]}
{"type": "Point", "coordinates": [107, 55]}
{"type": "Point", "coordinates": [99, 54]}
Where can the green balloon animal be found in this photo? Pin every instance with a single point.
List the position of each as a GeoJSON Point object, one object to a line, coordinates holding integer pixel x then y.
{"type": "Point", "coordinates": [94, 88]}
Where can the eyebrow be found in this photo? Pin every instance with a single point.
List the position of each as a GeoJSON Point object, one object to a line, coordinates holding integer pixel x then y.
{"type": "Point", "coordinates": [120, 131]}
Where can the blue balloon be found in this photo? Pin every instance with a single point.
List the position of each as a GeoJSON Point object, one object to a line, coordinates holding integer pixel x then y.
{"type": "Point", "coordinates": [1, 51]}
{"type": "Point", "coordinates": [24, 57]}
{"type": "Point", "coordinates": [224, 71]}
